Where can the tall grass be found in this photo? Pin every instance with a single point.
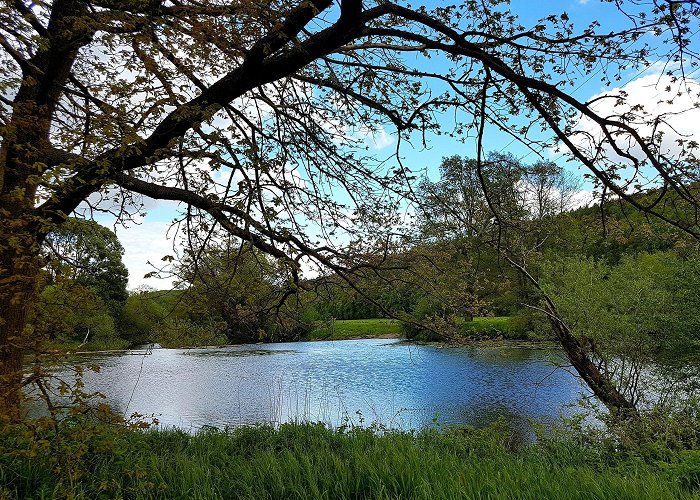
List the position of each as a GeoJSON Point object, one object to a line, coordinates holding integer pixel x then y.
{"type": "Point", "coordinates": [310, 461]}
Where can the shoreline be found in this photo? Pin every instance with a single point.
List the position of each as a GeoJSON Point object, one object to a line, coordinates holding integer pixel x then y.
{"type": "Point", "coordinates": [513, 343]}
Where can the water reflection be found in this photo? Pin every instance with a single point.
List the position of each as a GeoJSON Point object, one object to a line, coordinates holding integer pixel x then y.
{"type": "Point", "coordinates": [220, 353]}
{"type": "Point", "coordinates": [355, 382]}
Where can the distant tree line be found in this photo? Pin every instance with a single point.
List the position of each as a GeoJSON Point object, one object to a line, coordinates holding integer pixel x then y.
{"type": "Point", "coordinates": [450, 270]}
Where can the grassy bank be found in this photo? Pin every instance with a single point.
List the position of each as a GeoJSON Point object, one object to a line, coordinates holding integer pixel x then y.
{"type": "Point", "coordinates": [505, 327]}
{"type": "Point", "coordinates": [344, 329]}
{"type": "Point", "coordinates": [310, 461]}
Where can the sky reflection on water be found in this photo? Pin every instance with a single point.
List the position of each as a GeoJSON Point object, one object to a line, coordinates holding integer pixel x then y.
{"type": "Point", "coordinates": [356, 382]}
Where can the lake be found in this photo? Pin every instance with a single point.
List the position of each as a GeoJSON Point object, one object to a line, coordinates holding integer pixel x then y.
{"type": "Point", "coordinates": [353, 382]}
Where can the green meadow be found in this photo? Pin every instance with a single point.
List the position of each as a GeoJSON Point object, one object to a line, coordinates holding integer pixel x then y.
{"type": "Point", "coordinates": [344, 329]}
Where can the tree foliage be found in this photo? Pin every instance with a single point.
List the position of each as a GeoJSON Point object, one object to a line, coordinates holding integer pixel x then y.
{"type": "Point", "coordinates": [91, 255]}
{"type": "Point", "coordinates": [589, 271]}
{"type": "Point", "coordinates": [629, 313]}
{"type": "Point", "coordinates": [242, 289]}
{"type": "Point", "coordinates": [82, 285]}
{"type": "Point", "coordinates": [71, 313]}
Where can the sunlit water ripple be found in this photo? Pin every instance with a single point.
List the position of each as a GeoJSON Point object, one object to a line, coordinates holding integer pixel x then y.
{"type": "Point", "coordinates": [354, 382]}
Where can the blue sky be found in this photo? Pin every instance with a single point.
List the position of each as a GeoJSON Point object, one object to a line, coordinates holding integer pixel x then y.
{"type": "Point", "coordinates": [148, 240]}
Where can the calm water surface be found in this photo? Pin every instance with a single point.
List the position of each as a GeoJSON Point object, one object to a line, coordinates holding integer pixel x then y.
{"type": "Point", "coordinates": [355, 382]}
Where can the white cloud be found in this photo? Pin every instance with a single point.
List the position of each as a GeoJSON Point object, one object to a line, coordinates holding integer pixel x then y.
{"type": "Point", "coordinates": [144, 231]}
{"type": "Point", "coordinates": [654, 105]}
{"type": "Point", "coordinates": [582, 198]}
{"type": "Point", "coordinates": [651, 104]}
{"type": "Point", "coordinates": [145, 244]}
{"type": "Point", "coordinates": [379, 139]}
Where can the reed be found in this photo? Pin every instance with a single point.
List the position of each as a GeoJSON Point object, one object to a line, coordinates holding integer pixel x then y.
{"type": "Point", "coordinates": [310, 461]}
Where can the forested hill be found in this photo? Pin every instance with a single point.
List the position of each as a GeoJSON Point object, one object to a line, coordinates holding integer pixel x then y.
{"type": "Point", "coordinates": [619, 227]}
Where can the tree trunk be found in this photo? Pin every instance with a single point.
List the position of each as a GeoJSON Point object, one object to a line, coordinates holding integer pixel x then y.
{"type": "Point", "coordinates": [18, 271]}
{"type": "Point", "coordinates": [600, 384]}
{"type": "Point", "coordinates": [25, 141]}
{"type": "Point", "coordinates": [20, 242]}
{"type": "Point", "coordinates": [14, 321]}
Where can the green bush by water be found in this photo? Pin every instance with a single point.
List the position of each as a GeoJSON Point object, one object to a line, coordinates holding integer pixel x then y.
{"type": "Point", "coordinates": [479, 328]}
{"type": "Point", "coordinates": [508, 327]}
{"type": "Point", "coordinates": [310, 461]}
